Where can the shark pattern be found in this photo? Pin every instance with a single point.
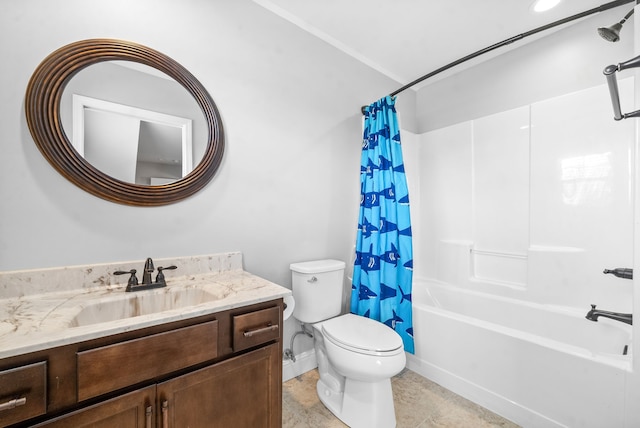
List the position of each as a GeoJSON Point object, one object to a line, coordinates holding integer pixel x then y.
{"type": "Point", "coordinates": [384, 132]}
{"type": "Point", "coordinates": [367, 228]}
{"type": "Point", "coordinates": [387, 226]}
{"type": "Point", "coordinates": [395, 319]}
{"type": "Point", "coordinates": [390, 193]}
{"type": "Point", "coordinates": [384, 163]}
{"type": "Point", "coordinates": [371, 141]}
{"type": "Point", "coordinates": [405, 232]}
{"type": "Point", "coordinates": [387, 292]}
{"type": "Point", "coordinates": [370, 199]}
{"type": "Point", "coordinates": [392, 256]}
{"type": "Point", "coordinates": [383, 258]}
{"type": "Point", "coordinates": [405, 296]}
{"type": "Point", "coordinates": [369, 169]}
{"type": "Point", "coordinates": [370, 262]}
{"type": "Point", "coordinates": [365, 293]}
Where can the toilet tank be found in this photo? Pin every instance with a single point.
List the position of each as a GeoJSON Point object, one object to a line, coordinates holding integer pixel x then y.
{"type": "Point", "coordinates": [317, 289]}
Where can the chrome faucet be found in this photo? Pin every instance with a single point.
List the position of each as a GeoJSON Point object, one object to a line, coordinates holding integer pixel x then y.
{"type": "Point", "coordinates": [147, 283]}
{"type": "Point", "coordinates": [594, 313]}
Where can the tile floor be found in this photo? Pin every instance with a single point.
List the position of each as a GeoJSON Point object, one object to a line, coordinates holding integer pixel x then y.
{"type": "Point", "coordinates": [419, 403]}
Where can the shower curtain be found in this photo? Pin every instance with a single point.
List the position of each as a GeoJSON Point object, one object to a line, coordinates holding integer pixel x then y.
{"type": "Point", "coordinates": [383, 267]}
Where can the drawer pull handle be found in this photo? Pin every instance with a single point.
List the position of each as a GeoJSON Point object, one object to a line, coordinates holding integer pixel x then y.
{"type": "Point", "coordinates": [13, 403]}
{"type": "Point", "coordinates": [149, 413]}
{"type": "Point", "coordinates": [165, 414]}
{"type": "Point", "coordinates": [269, 328]}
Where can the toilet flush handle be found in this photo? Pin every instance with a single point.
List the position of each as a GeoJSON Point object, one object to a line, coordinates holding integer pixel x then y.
{"type": "Point", "coordinates": [312, 279]}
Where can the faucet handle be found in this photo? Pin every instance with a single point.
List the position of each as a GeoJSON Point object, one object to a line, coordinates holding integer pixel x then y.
{"type": "Point", "coordinates": [133, 280]}
{"type": "Point", "coordinates": [160, 276]}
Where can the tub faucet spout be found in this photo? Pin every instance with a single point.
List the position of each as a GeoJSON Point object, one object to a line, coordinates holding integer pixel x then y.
{"type": "Point", "coordinates": [594, 313]}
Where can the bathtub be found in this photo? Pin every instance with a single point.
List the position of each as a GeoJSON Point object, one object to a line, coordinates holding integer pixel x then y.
{"type": "Point", "coordinates": [537, 365]}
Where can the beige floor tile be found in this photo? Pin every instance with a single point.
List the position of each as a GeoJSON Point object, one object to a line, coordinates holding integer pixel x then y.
{"type": "Point", "coordinates": [419, 403]}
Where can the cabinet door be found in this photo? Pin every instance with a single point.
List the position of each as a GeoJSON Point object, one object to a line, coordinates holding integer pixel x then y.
{"type": "Point", "coordinates": [244, 391]}
{"type": "Point", "coordinates": [132, 410]}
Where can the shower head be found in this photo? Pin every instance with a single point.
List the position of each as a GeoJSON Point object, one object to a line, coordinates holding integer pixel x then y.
{"type": "Point", "coordinates": [612, 34]}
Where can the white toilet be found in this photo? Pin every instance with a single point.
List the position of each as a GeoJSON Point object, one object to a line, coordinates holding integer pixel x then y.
{"type": "Point", "coordinates": [356, 356]}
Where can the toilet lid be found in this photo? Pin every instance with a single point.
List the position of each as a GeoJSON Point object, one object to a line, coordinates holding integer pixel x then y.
{"type": "Point", "coordinates": [361, 334]}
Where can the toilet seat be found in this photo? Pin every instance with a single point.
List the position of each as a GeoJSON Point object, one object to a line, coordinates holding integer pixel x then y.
{"type": "Point", "coordinates": [362, 335]}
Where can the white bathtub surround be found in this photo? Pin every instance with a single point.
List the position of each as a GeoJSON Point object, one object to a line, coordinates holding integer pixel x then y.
{"type": "Point", "coordinates": [53, 307]}
{"type": "Point", "coordinates": [537, 198]}
{"type": "Point", "coordinates": [519, 214]}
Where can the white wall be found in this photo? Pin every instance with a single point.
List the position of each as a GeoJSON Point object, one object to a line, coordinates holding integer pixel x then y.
{"type": "Point", "coordinates": [287, 189]}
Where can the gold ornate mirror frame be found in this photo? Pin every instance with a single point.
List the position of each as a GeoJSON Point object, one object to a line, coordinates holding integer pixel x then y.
{"type": "Point", "coordinates": [42, 106]}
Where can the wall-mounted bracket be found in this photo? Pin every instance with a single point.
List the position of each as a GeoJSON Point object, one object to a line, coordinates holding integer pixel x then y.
{"type": "Point", "coordinates": [610, 73]}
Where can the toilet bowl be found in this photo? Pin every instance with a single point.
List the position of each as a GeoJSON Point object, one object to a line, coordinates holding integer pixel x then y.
{"type": "Point", "coordinates": [355, 377]}
{"type": "Point", "coordinates": [356, 356]}
{"type": "Point", "coordinates": [363, 349]}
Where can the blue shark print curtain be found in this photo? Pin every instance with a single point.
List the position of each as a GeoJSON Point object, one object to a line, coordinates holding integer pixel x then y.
{"type": "Point", "coordinates": [383, 267]}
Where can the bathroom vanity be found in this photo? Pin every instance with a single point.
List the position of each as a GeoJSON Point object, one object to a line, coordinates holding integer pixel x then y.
{"type": "Point", "coordinates": [205, 358]}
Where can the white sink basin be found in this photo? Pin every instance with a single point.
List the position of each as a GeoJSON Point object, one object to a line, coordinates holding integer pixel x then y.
{"type": "Point", "coordinates": [139, 303]}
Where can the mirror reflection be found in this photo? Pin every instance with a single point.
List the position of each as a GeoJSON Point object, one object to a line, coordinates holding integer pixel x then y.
{"type": "Point", "coordinates": [133, 122]}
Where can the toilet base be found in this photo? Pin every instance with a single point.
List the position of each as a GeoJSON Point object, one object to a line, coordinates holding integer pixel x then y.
{"type": "Point", "coordinates": [361, 404]}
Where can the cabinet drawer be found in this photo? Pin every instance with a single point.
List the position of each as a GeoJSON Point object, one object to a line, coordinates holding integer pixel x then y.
{"type": "Point", "coordinates": [255, 328]}
{"type": "Point", "coordinates": [23, 393]}
{"type": "Point", "coordinates": [123, 364]}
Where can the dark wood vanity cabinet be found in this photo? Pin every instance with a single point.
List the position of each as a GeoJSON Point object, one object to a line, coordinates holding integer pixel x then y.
{"type": "Point", "coordinates": [129, 410]}
{"type": "Point", "coordinates": [221, 370]}
{"type": "Point", "coordinates": [22, 392]}
{"type": "Point", "coordinates": [238, 392]}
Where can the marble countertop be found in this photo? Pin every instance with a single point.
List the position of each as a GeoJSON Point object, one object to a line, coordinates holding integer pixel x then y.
{"type": "Point", "coordinates": [36, 318]}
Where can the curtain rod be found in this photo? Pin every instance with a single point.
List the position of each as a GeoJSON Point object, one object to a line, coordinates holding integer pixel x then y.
{"type": "Point", "coordinates": [510, 40]}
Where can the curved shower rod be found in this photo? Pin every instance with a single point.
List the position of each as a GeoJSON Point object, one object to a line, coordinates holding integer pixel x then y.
{"type": "Point", "coordinates": [510, 40]}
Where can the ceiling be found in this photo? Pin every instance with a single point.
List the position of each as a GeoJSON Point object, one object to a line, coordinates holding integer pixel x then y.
{"type": "Point", "coordinates": [406, 39]}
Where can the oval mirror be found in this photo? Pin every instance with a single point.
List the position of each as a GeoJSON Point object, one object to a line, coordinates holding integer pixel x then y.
{"type": "Point", "coordinates": [145, 148]}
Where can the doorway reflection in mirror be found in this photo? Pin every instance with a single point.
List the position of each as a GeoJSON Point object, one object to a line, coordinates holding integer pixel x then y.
{"type": "Point", "coordinates": [133, 123]}
{"type": "Point", "coordinates": [132, 144]}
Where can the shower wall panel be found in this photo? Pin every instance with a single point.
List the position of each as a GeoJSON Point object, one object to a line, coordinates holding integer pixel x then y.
{"type": "Point", "coordinates": [581, 194]}
{"type": "Point", "coordinates": [532, 202]}
{"type": "Point", "coordinates": [501, 196]}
